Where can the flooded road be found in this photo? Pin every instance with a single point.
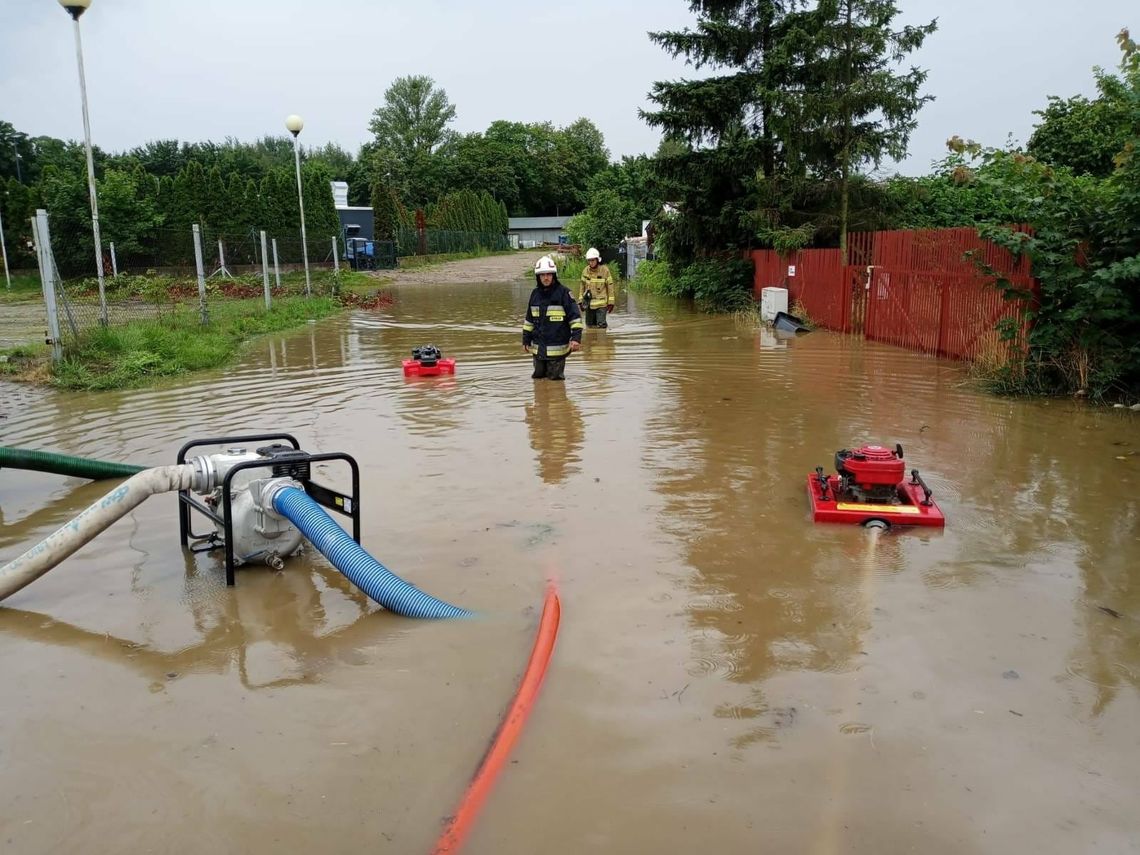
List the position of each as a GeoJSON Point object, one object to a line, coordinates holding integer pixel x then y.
{"type": "Point", "coordinates": [729, 677]}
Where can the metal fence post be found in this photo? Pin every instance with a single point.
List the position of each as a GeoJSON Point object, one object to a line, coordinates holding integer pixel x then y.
{"type": "Point", "coordinates": [336, 257]}
{"type": "Point", "coordinates": [114, 262]}
{"type": "Point", "coordinates": [265, 270]}
{"type": "Point", "coordinates": [276, 266]}
{"type": "Point", "coordinates": [201, 273]}
{"type": "Point", "coordinates": [4, 250]}
{"type": "Point", "coordinates": [42, 236]}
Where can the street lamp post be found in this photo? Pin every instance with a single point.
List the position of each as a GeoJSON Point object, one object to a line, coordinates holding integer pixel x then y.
{"type": "Point", "coordinates": [4, 250]}
{"type": "Point", "coordinates": [294, 123]}
{"type": "Point", "coordinates": [75, 8]}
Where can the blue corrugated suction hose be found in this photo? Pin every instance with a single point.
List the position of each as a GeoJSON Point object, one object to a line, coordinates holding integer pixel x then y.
{"type": "Point", "coordinates": [349, 557]}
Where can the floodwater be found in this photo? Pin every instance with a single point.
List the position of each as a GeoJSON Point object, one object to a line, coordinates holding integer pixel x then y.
{"type": "Point", "coordinates": [729, 677]}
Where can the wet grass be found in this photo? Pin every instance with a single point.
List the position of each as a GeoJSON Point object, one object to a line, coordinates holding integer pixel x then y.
{"type": "Point", "coordinates": [799, 310]}
{"type": "Point", "coordinates": [30, 363]}
{"type": "Point", "coordinates": [137, 353]}
{"type": "Point", "coordinates": [25, 287]}
{"type": "Point", "coordinates": [174, 342]}
{"type": "Point", "coordinates": [571, 271]}
{"type": "Point", "coordinates": [652, 277]}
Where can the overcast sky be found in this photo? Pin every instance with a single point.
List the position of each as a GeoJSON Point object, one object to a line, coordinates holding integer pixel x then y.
{"type": "Point", "coordinates": [215, 68]}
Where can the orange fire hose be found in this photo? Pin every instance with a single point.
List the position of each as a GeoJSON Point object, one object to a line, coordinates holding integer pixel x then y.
{"type": "Point", "coordinates": [460, 824]}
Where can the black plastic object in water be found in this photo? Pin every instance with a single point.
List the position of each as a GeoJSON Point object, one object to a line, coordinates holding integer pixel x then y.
{"type": "Point", "coordinates": [427, 355]}
{"type": "Point", "coordinates": [789, 323]}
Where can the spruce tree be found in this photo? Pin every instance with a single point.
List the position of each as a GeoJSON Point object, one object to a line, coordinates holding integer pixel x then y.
{"type": "Point", "coordinates": [852, 105]}
{"type": "Point", "coordinates": [727, 131]}
{"type": "Point", "coordinates": [386, 219]}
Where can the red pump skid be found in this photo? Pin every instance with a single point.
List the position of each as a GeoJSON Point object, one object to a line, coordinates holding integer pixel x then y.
{"type": "Point", "coordinates": [412, 368]}
{"type": "Point", "coordinates": [910, 512]}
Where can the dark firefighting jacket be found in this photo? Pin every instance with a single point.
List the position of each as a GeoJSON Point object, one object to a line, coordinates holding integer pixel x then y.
{"type": "Point", "coordinates": [552, 321]}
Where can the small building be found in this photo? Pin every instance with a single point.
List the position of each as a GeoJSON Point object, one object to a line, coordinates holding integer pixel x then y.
{"type": "Point", "coordinates": [532, 231]}
{"type": "Point", "coordinates": [355, 220]}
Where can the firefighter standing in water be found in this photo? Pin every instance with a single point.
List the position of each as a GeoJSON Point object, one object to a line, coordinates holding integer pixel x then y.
{"type": "Point", "coordinates": [596, 292]}
{"type": "Point", "coordinates": [552, 327]}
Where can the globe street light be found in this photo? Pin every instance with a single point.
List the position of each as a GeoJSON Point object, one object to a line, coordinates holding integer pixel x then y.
{"type": "Point", "coordinates": [75, 8]}
{"type": "Point", "coordinates": [293, 124]}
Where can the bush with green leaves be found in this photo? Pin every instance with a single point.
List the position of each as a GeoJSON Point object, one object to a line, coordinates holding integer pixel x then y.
{"type": "Point", "coordinates": [1085, 252]}
{"type": "Point", "coordinates": [606, 221]}
{"type": "Point", "coordinates": [715, 285]}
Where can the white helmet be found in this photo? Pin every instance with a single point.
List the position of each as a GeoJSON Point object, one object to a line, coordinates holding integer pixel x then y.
{"type": "Point", "coordinates": [592, 253]}
{"type": "Point", "coordinates": [545, 265]}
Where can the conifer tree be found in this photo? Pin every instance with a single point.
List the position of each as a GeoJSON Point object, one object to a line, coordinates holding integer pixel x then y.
{"type": "Point", "coordinates": [852, 104]}
{"type": "Point", "coordinates": [727, 131]}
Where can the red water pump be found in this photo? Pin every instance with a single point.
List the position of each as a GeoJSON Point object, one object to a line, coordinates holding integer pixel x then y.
{"type": "Point", "coordinates": [870, 486]}
{"type": "Point", "coordinates": [428, 361]}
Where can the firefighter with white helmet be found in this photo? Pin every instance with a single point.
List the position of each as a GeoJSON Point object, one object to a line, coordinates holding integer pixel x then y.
{"type": "Point", "coordinates": [552, 328]}
{"type": "Point", "coordinates": [596, 291]}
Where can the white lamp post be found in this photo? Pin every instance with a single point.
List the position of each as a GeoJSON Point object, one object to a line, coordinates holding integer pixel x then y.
{"type": "Point", "coordinates": [75, 8]}
{"type": "Point", "coordinates": [4, 250]}
{"type": "Point", "coordinates": [294, 123]}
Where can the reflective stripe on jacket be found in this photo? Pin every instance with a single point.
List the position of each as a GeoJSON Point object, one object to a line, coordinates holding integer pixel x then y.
{"type": "Point", "coordinates": [600, 286]}
{"type": "Point", "coordinates": [552, 321]}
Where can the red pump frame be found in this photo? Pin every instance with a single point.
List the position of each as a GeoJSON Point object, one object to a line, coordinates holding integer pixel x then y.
{"type": "Point", "coordinates": [412, 368]}
{"type": "Point", "coordinates": [912, 511]}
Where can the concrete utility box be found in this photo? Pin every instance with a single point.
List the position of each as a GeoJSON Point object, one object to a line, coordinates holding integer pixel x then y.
{"type": "Point", "coordinates": [772, 300]}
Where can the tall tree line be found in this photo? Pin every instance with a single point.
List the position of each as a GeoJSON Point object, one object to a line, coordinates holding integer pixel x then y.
{"type": "Point", "coordinates": [149, 197]}
{"type": "Point", "coordinates": [769, 147]}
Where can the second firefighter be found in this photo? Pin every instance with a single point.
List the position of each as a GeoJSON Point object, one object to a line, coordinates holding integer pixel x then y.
{"type": "Point", "coordinates": [596, 291]}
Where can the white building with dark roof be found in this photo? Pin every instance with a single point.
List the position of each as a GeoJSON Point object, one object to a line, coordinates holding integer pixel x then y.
{"type": "Point", "coordinates": [531, 231]}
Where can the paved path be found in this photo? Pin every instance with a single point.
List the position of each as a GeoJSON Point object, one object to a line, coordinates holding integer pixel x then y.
{"type": "Point", "coordinates": [490, 268]}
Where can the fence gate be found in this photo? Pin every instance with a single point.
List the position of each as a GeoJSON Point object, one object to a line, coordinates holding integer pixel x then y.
{"type": "Point", "coordinates": [934, 291]}
{"type": "Point", "coordinates": [858, 281]}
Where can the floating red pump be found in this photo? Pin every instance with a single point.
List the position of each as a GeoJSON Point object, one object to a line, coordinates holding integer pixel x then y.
{"type": "Point", "coordinates": [428, 361]}
{"type": "Point", "coordinates": [415, 368]}
{"type": "Point", "coordinates": [871, 486]}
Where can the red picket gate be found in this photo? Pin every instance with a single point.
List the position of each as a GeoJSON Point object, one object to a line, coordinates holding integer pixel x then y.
{"type": "Point", "coordinates": [923, 290]}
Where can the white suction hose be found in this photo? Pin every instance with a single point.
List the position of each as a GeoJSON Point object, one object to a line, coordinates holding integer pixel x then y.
{"type": "Point", "coordinates": [118, 503]}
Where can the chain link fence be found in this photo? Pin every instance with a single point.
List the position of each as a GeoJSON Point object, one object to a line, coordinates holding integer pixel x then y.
{"type": "Point", "coordinates": [177, 268]}
{"type": "Point", "coordinates": [171, 269]}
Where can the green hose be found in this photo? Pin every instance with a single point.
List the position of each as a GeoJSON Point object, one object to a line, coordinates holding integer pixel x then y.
{"type": "Point", "coordinates": [63, 464]}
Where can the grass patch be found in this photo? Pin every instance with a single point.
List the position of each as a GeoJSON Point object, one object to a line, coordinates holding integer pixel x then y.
{"type": "Point", "coordinates": [570, 271]}
{"type": "Point", "coordinates": [652, 277]}
{"type": "Point", "coordinates": [799, 310]}
{"type": "Point", "coordinates": [30, 363]}
{"type": "Point", "coordinates": [25, 286]}
{"type": "Point", "coordinates": [717, 286]}
{"type": "Point", "coordinates": [156, 288]}
{"type": "Point", "coordinates": [131, 355]}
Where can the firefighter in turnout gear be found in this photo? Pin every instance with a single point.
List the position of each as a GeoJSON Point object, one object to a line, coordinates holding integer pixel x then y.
{"type": "Point", "coordinates": [596, 292]}
{"type": "Point", "coordinates": [552, 327]}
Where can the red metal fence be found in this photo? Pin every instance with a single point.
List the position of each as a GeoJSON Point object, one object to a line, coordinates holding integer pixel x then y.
{"type": "Point", "coordinates": [924, 290]}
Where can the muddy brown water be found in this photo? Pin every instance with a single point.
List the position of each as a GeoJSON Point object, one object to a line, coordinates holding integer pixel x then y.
{"type": "Point", "coordinates": [729, 677]}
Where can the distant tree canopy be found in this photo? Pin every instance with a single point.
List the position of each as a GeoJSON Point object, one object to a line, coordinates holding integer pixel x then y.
{"type": "Point", "coordinates": [801, 96]}
{"type": "Point", "coordinates": [1083, 135]}
{"type": "Point", "coordinates": [534, 169]}
{"type": "Point", "coordinates": [414, 161]}
{"type": "Point", "coordinates": [150, 196]}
